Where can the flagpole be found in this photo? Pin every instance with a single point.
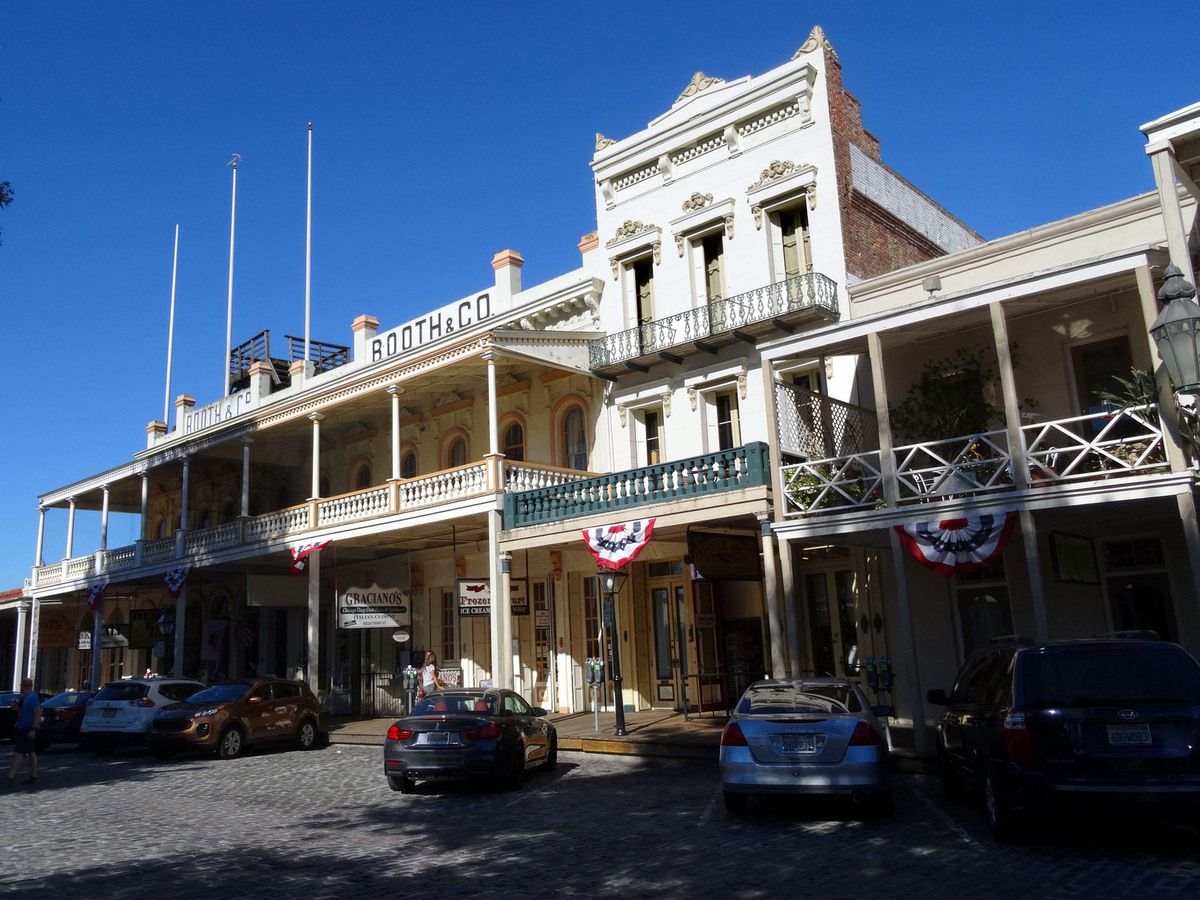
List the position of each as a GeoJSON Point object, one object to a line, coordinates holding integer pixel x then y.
{"type": "Point", "coordinates": [233, 164]}
{"type": "Point", "coordinates": [171, 330]}
{"type": "Point", "coordinates": [308, 253]}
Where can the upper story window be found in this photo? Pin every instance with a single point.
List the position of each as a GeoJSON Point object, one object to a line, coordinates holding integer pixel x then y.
{"type": "Point", "coordinates": [642, 272]}
{"type": "Point", "coordinates": [457, 454]}
{"type": "Point", "coordinates": [408, 464]}
{"type": "Point", "coordinates": [713, 251]}
{"type": "Point", "coordinates": [648, 435]}
{"type": "Point", "coordinates": [794, 248]}
{"type": "Point", "coordinates": [574, 440]}
{"type": "Point", "coordinates": [512, 442]}
{"type": "Point", "coordinates": [728, 426]}
{"type": "Point", "coordinates": [362, 477]}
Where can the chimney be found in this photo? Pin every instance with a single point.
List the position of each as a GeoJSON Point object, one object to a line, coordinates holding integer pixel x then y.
{"type": "Point", "coordinates": [365, 328]}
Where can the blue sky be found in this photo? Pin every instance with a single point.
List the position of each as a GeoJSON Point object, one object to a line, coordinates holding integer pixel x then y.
{"type": "Point", "coordinates": [443, 133]}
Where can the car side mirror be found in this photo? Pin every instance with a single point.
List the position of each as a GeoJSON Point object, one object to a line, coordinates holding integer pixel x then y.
{"type": "Point", "coordinates": [937, 697]}
{"type": "Point", "coordinates": [256, 699]}
{"type": "Point", "coordinates": [539, 712]}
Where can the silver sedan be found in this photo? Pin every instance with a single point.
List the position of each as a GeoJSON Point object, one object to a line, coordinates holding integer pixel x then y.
{"type": "Point", "coordinates": [806, 736]}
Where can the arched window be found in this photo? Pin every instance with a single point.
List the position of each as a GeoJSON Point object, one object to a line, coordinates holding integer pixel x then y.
{"type": "Point", "coordinates": [574, 440]}
{"type": "Point", "coordinates": [362, 478]}
{"type": "Point", "coordinates": [513, 442]}
{"type": "Point", "coordinates": [408, 465]}
{"type": "Point", "coordinates": [323, 485]}
{"type": "Point", "coordinates": [458, 452]}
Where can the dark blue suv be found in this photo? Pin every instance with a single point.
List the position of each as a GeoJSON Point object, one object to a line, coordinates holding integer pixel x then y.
{"type": "Point", "coordinates": [1107, 722]}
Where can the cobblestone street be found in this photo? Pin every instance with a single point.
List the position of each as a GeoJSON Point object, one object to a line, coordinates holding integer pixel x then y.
{"type": "Point", "coordinates": [325, 824]}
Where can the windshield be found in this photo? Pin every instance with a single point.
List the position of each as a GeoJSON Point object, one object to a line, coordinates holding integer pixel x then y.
{"type": "Point", "coordinates": [70, 698]}
{"type": "Point", "coordinates": [455, 703]}
{"type": "Point", "coordinates": [220, 693]}
{"type": "Point", "coordinates": [799, 697]}
{"type": "Point", "coordinates": [1109, 674]}
{"type": "Point", "coordinates": [123, 691]}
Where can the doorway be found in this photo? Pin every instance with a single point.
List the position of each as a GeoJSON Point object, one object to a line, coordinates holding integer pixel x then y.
{"type": "Point", "coordinates": [845, 620]}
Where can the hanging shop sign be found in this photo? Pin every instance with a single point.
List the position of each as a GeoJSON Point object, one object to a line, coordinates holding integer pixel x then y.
{"type": "Point", "coordinates": [374, 607]}
{"type": "Point", "coordinates": [474, 597]}
{"type": "Point", "coordinates": [55, 631]}
{"type": "Point", "coordinates": [113, 637]}
{"type": "Point", "coordinates": [441, 323]}
{"type": "Point", "coordinates": [518, 593]}
{"type": "Point", "coordinates": [725, 557]}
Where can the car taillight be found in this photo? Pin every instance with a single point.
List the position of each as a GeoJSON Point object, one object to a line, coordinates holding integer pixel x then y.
{"type": "Point", "coordinates": [396, 733]}
{"type": "Point", "coordinates": [67, 714]}
{"type": "Point", "coordinates": [865, 736]}
{"type": "Point", "coordinates": [1018, 739]}
{"type": "Point", "coordinates": [732, 736]}
{"type": "Point", "coordinates": [144, 702]}
{"type": "Point", "coordinates": [487, 732]}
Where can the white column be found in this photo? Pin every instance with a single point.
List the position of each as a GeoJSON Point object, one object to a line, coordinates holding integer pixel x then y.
{"type": "Point", "coordinates": [500, 650]}
{"type": "Point", "coordinates": [71, 529]}
{"type": "Point", "coordinates": [907, 661]}
{"type": "Point", "coordinates": [395, 392]}
{"type": "Point", "coordinates": [791, 606]}
{"type": "Point", "coordinates": [97, 633]}
{"type": "Point", "coordinates": [41, 538]}
{"type": "Point", "coordinates": [1168, 198]}
{"type": "Point", "coordinates": [503, 602]}
{"type": "Point", "coordinates": [35, 617]}
{"type": "Point", "coordinates": [145, 502]}
{"type": "Point", "coordinates": [246, 442]}
{"type": "Point", "coordinates": [779, 660]}
{"type": "Point", "coordinates": [183, 496]}
{"type": "Point", "coordinates": [493, 417]}
{"type": "Point", "coordinates": [316, 418]}
{"type": "Point", "coordinates": [180, 628]}
{"type": "Point", "coordinates": [314, 618]}
{"type": "Point", "coordinates": [19, 649]}
{"type": "Point", "coordinates": [104, 520]}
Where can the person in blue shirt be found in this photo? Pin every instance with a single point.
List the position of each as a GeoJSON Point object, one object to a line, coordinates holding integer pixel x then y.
{"type": "Point", "coordinates": [29, 719]}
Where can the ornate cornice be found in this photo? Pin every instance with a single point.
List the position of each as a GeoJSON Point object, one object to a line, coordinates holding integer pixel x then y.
{"type": "Point", "coordinates": [777, 169]}
{"type": "Point", "coordinates": [697, 201]}
{"type": "Point", "coordinates": [700, 82]}
{"type": "Point", "coordinates": [816, 38]}
{"type": "Point", "coordinates": [627, 229]}
{"type": "Point", "coordinates": [602, 142]}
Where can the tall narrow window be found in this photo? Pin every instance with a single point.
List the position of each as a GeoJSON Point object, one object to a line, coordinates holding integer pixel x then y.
{"type": "Point", "coordinates": [449, 628]}
{"type": "Point", "coordinates": [513, 443]}
{"type": "Point", "coordinates": [591, 617]}
{"type": "Point", "coordinates": [653, 438]}
{"type": "Point", "coordinates": [458, 453]}
{"type": "Point", "coordinates": [408, 465]}
{"type": "Point", "coordinates": [714, 260]}
{"type": "Point", "coordinates": [728, 427]}
{"type": "Point", "coordinates": [793, 228]}
{"type": "Point", "coordinates": [574, 440]}
{"type": "Point", "coordinates": [362, 478]}
{"type": "Point", "coordinates": [643, 287]}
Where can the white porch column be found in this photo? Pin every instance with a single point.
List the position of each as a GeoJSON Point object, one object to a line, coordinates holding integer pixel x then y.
{"type": "Point", "coordinates": [314, 619]}
{"type": "Point", "coordinates": [504, 605]}
{"type": "Point", "coordinates": [180, 627]}
{"type": "Point", "coordinates": [35, 617]}
{"type": "Point", "coordinates": [316, 418]}
{"type": "Point", "coordinates": [145, 503]}
{"type": "Point", "coordinates": [395, 391]}
{"type": "Point", "coordinates": [907, 663]}
{"type": "Point", "coordinates": [493, 417]}
{"type": "Point", "coordinates": [887, 462]}
{"type": "Point", "coordinates": [41, 538]}
{"type": "Point", "coordinates": [19, 649]}
{"type": "Point", "coordinates": [246, 442]}
{"type": "Point", "coordinates": [104, 520]}
{"type": "Point", "coordinates": [71, 529]}
{"type": "Point", "coordinates": [791, 606]}
{"type": "Point", "coordinates": [1163, 163]}
{"type": "Point", "coordinates": [183, 506]}
{"type": "Point", "coordinates": [500, 650]}
{"type": "Point", "coordinates": [779, 660]}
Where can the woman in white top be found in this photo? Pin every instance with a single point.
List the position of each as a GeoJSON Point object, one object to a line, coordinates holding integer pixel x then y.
{"type": "Point", "coordinates": [431, 679]}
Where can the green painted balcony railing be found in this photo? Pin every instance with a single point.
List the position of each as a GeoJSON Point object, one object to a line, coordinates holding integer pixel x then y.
{"type": "Point", "coordinates": [725, 470]}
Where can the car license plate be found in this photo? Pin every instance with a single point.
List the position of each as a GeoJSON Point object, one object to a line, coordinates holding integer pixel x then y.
{"type": "Point", "coordinates": [1129, 735]}
{"type": "Point", "coordinates": [108, 712]}
{"type": "Point", "coordinates": [437, 737]}
{"type": "Point", "coordinates": [799, 743]}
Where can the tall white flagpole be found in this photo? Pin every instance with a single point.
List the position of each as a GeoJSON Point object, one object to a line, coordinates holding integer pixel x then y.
{"type": "Point", "coordinates": [308, 254]}
{"type": "Point", "coordinates": [171, 331]}
{"type": "Point", "coordinates": [233, 164]}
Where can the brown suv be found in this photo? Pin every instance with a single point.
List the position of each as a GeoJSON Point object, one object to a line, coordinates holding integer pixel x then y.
{"type": "Point", "coordinates": [228, 717]}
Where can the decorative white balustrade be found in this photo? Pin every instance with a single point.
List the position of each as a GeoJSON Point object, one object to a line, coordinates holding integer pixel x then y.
{"type": "Point", "coordinates": [158, 551]}
{"type": "Point", "coordinates": [119, 558]}
{"type": "Point", "coordinates": [454, 484]}
{"type": "Point", "coordinates": [519, 477]}
{"type": "Point", "coordinates": [352, 507]}
{"type": "Point", "coordinates": [80, 567]}
{"type": "Point", "coordinates": [207, 540]}
{"type": "Point", "coordinates": [276, 524]}
{"type": "Point", "coordinates": [1104, 445]}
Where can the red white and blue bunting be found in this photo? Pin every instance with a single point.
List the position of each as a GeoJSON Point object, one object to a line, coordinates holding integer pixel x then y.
{"type": "Point", "coordinates": [964, 544]}
{"type": "Point", "coordinates": [175, 579]}
{"type": "Point", "coordinates": [95, 592]}
{"type": "Point", "coordinates": [301, 553]}
{"type": "Point", "coordinates": [615, 545]}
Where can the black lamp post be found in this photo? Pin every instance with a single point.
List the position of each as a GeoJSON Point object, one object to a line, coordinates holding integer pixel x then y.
{"type": "Point", "coordinates": [1176, 333]}
{"type": "Point", "coordinates": [611, 581]}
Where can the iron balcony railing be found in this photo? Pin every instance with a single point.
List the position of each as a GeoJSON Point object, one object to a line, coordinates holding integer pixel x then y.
{"type": "Point", "coordinates": [725, 470]}
{"type": "Point", "coordinates": [811, 290]}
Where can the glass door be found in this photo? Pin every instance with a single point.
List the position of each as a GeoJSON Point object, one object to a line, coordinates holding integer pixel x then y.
{"type": "Point", "coordinates": [670, 643]}
{"type": "Point", "coordinates": [836, 615]}
{"type": "Point", "coordinates": [709, 675]}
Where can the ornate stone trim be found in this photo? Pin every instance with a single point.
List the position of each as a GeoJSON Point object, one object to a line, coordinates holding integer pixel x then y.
{"type": "Point", "coordinates": [693, 397]}
{"type": "Point", "coordinates": [666, 405]}
{"type": "Point", "coordinates": [777, 169]}
{"type": "Point", "coordinates": [741, 385]}
{"type": "Point", "coordinates": [602, 142]}
{"type": "Point", "coordinates": [816, 38]}
{"type": "Point", "coordinates": [700, 82]}
{"type": "Point", "coordinates": [627, 229]}
{"type": "Point", "coordinates": [729, 227]}
{"type": "Point", "coordinates": [697, 201]}
{"type": "Point", "coordinates": [622, 415]}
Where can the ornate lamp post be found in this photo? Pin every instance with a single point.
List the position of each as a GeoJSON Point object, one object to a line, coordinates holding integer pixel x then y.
{"type": "Point", "coordinates": [611, 581]}
{"type": "Point", "coordinates": [1176, 333]}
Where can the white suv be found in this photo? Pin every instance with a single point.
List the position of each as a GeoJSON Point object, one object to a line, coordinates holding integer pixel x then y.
{"type": "Point", "coordinates": [121, 711]}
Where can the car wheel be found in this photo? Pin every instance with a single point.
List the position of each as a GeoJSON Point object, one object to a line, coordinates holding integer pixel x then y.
{"type": "Point", "coordinates": [232, 743]}
{"type": "Point", "coordinates": [306, 735]}
{"type": "Point", "coordinates": [516, 775]}
{"type": "Point", "coordinates": [401, 783]}
{"type": "Point", "coordinates": [736, 804]}
{"type": "Point", "coordinates": [552, 755]}
{"type": "Point", "coordinates": [1005, 823]}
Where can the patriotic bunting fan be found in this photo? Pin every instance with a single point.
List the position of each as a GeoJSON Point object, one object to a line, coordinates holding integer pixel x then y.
{"type": "Point", "coordinates": [615, 545]}
{"type": "Point", "coordinates": [175, 579]}
{"type": "Point", "coordinates": [95, 591]}
{"type": "Point", "coordinates": [965, 544]}
{"type": "Point", "coordinates": [301, 553]}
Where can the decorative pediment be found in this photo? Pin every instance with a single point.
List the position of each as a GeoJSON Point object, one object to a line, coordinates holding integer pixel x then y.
{"type": "Point", "coordinates": [776, 170]}
{"type": "Point", "coordinates": [700, 82]}
{"type": "Point", "coordinates": [628, 229]}
{"type": "Point", "coordinates": [602, 142]}
{"type": "Point", "coordinates": [697, 201]}
{"type": "Point", "coordinates": [816, 38]}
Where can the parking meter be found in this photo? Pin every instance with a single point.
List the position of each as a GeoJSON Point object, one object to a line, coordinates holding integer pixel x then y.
{"type": "Point", "coordinates": [885, 673]}
{"type": "Point", "coordinates": [872, 674]}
